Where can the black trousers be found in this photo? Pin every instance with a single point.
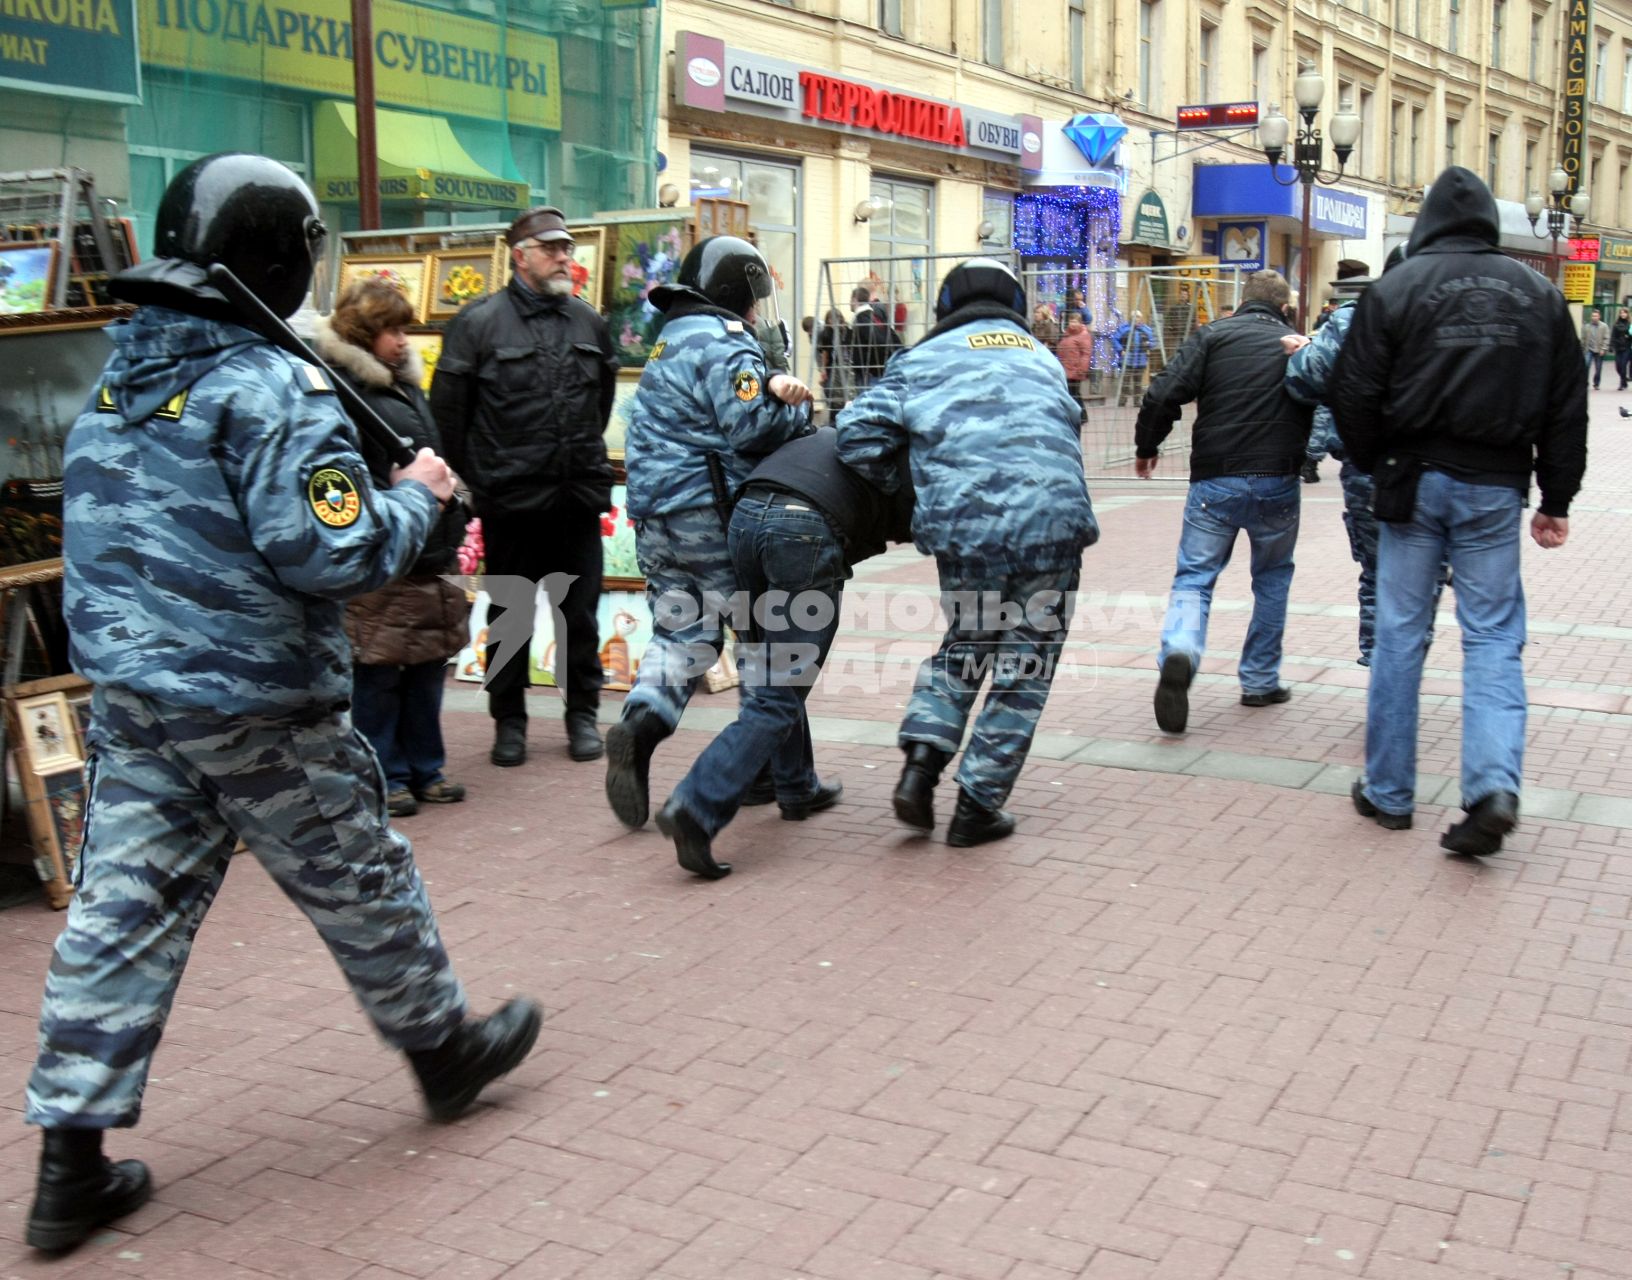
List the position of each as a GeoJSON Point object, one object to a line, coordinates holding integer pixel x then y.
{"type": "Point", "coordinates": [534, 547]}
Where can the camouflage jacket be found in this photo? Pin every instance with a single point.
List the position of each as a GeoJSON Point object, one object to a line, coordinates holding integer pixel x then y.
{"type": "Point", "coordinates": [1309, 377]}
{"type": "Point", "coordinates": [992, 437]}
{"type": "Point", "coordinates": [216, 515]}
{"type": "Point", "coordinates": [703, 392]}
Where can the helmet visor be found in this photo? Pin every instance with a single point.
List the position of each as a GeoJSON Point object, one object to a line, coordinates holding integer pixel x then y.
{"type": "Point", "coordinates": [762, 284]}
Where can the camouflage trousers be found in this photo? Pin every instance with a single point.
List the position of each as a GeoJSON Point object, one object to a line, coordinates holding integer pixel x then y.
{"type": "Point", "coordinates": [689, 582]}
{"type": "Point", "coordinates": [171, 791]}
{"type": "Point", "coordinates": [1359, 492]}
{"type": "Point", "coordinates": [1015, 636]}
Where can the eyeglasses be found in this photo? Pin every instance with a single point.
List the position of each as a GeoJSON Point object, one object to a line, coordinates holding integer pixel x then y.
{"type": "Point", "coordinates": [554, 248]}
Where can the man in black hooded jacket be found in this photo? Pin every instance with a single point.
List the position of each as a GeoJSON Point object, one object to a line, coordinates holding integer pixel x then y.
{"type": "Point", "coordinates": [1461, 377]}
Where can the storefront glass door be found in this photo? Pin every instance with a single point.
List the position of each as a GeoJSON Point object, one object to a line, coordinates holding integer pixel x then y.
{"type": "Point", "coordinates": [903, 228]}
{"type": "Point", "coordinates": [772, 193]}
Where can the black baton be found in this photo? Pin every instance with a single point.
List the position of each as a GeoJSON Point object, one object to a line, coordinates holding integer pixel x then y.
{"type": "Point", "coordinates": [276, 330]}
{"type": "Point", "coordinates": [722, 491]}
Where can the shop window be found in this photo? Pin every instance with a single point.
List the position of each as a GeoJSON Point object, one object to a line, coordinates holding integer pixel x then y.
{"type": "Point", "coordinates": [991, 32]}
{"type": "Point", "coordinates": [997, 208]}
{"type": "Point", "coordinates": [772, 192]}
{"type": "Point", "coordinates": [1149, 52]}
{"type": "Point", "coordinates": [1078, 43]}
{"type": "Point", "coordinates": [900, 240]}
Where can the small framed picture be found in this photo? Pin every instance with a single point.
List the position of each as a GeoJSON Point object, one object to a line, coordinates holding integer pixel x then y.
{"type": "Point", "coordinates": [65, 806]}
{"type": "Point", "coordinates": [586, 264]}
{"type": "Point", "coordinates": [80, 705]}
{"type": "Point", "coordinates": [50, 737]}
{"type": "Point", "coordinates": [27, 273]}
{"type": "Point", "coordinates": [459, 276]}
{"type": "Point", "coordinates": [428, 346]}
{"type": "Point", "coordinates": [410, 273]}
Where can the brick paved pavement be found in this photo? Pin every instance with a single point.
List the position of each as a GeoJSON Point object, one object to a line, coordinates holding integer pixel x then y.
{"type": "Point", "coordinates": [1196, 1021]}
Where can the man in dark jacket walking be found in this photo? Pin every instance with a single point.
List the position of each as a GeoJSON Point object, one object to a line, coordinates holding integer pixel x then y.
{"type": "Point", "coordinates": [1460, 377]}
{"type": "Point", "coordinates": [1246, 450]}
{"type": "Point", "coordinates": [522, 395]}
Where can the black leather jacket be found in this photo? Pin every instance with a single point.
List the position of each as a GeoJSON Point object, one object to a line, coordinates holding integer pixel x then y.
{"type": "Point", "coordinates": [522, 394]}
{"type": "Point", "coordinates": [1246, 424]}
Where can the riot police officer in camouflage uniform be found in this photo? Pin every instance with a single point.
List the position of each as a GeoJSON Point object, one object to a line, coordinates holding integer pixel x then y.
{"type": "Point", "coordinates": [707, 407]}
{"type": "Point", "coordinates": [991, 431]}
{"type": "Point", "coordinates": [217, 515]}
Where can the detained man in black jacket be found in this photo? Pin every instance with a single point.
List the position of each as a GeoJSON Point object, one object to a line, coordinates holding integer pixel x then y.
{"type": "Point", "coordinates": [1461, 377]}
{"type": "Point", "coordinates": [1246, 452]}
{"type": "Point", "coordinates": [801, 523]}
{"type": "Point", "coordinates": [522, 394]}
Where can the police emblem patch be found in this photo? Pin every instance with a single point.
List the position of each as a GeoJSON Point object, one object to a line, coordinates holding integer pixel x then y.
{"type": "Point", "coordinates": [657, 351]}
{"type": "Point", "coordinates": [747, 386]}
{"type": "Point", "coordinates": [334, 498]}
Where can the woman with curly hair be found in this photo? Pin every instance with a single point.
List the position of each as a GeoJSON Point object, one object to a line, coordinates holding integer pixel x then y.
{"type": "Point", "coordinates": [403, 634]}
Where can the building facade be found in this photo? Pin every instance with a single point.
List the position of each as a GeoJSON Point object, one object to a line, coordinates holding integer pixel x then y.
{"type": "Point", "coordinates": [794, 106]}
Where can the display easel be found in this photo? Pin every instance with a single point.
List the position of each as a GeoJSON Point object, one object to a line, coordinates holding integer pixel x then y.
{"type": "Point", "coordinates": [52, 777]}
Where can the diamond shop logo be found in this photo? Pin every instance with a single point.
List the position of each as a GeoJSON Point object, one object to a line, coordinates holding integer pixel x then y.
{"type": "Point", "coordinates": [1095, 136]}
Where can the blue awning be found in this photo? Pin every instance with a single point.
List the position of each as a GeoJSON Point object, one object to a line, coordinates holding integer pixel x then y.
{"type": "Point", "coordinates": [1251, 191]}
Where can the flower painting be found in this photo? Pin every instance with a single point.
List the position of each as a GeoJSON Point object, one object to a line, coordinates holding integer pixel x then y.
{"type": "Point", "coordinates": [648, 254]}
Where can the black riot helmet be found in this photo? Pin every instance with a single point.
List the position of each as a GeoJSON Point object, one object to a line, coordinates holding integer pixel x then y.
{"type": "Point", "coordinates": [247, 212]}
{"type": "Point", "coordinates": [727, 272]}
{"type": "Point", "coordinates": [979, 280]}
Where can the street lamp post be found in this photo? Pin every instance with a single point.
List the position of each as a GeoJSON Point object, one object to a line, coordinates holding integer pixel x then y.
{"type": "Point", "coordinates": [1556, 208]}
{"type": "Point", "coordinates": [1307, 156]}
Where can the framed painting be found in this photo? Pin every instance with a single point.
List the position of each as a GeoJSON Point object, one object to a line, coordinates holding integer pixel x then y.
{"type": "Point", "coordinates": [643, 255]}
{"type": "Point", "coordinates": [428, 346]}
{"type": "Point", "coordinates": [48, 736]}
{"type": "Point", "coordinates": [587, 277]}
{"type": "Point", "coordinates": [65, 807]}
{"type": "Point", "coordinates": [409, 273]}
{"type": "Point", "coordinates": [27, 272]}
{"type": "Point", "coordinates": [459, 276]}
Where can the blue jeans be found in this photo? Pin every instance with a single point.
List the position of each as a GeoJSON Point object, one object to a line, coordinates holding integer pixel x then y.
{"type": "Point", "coordinates": [399, 711]}
{"type": "Point", "coordinates": [791, 564]}
{"type": "Point", "coordinates": [1214, 512]}
{"type": "Point", "coordinates": [1477, 525]}
{"type": "Point", "coordinates": [1595, 365]}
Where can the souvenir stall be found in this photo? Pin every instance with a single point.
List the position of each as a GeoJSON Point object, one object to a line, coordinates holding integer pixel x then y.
{"type": "Point", "coordinates": [58, 247]}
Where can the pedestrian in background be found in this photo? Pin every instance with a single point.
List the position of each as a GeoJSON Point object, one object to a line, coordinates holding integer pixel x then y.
{"type": "Point", "coordinates": [403, 634]}
{"type": "Point", "coordinates": [1595, 337]}
{"type": "Point", "coordinates": [1132, 339]}
{"type": "Point", "coordinates": [1246, 448]}
{"type": "Point", "coordinates": [1044, 327]}
{"type": "Point", "coordinates": [1451, 397]}
{"type": "Point", "coordinates": [522, 395]}
{"type": "Point", "coordinates": [216, 514]}
{"type": "Point", "coordinates": [1076, 353]}
{"type": "Point", "coordinates": [1620, 343]}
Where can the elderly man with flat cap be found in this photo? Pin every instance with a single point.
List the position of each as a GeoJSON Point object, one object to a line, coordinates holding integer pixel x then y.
{"type": "Point", "coordinates": [522, 395]}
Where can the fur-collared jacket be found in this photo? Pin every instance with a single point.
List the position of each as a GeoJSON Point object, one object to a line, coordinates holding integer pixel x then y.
{"type": "Point", "coordinates": [419, 618]}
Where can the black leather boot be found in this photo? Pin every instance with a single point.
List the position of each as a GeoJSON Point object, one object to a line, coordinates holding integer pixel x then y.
{"type": "Point", "coordinates": [693, 848]}
{"type": "Point", "coordinates": [80, 1189]}
{"type": "Point", "coordinates": [583, 738]}
{"type": "Point", "coordinates": [973, 823]}
{"type": "Point", "coordinates": [479, 1051]}
{"type": "Point", "coordinates": [509, 742]}
{"type": "Point", "coordinates": [915, 793]}
{"type": "Point", "coordinates": [629, 747]}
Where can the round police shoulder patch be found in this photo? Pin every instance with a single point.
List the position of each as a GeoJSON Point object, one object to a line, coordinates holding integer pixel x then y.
{"type": "Point", "coordinates": [747, 385]}
{"type": "Point", "coordinates": [334, 498]}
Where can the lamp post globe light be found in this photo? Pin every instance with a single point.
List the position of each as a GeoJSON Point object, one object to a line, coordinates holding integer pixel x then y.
{"type": "Point", "coordinates": [1557, 207]}
{"type": "Point", "coordinates": [1307, 154]}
